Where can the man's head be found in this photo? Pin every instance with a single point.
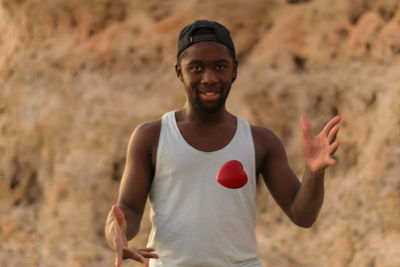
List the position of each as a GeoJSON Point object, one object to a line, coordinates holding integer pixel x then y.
{"type": "Point", "coordinates": [205, 30]}
{"type": "Point", "coordinates": [206, 64]}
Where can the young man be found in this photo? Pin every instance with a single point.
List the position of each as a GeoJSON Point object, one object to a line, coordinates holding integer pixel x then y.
{"type": "Point", "coordinates": [175, 160]}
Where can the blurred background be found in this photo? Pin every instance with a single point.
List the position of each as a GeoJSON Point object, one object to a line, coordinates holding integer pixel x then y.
{"type": "Point", "coordinates": [76, 78]}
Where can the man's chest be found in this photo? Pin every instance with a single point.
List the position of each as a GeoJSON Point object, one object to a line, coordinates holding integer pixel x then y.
{"type": "Point", "coordinates": [207, 139]}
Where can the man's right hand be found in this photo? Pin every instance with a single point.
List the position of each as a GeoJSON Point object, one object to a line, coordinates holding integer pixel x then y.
{"type": "Point", "coordinates": [117, 239]}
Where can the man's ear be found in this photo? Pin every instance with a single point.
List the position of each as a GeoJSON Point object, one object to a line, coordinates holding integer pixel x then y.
{"type": "Point", "coordinates": [235, 64]}
{"type": "Point", "coordinates": [178, 71]}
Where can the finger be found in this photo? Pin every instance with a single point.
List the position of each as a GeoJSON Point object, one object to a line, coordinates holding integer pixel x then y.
{"type": "Point", "coordinates": [128, 253]}
{"type": "Point", "coordinates": [333, 147]}
{"type": "Point", "coordinates": [147, 249]}
{"type": "Point", "coordinates": [335, 120]}
{"type": "Point", "coordinates": [119, 216]}
{"type": "Point", "coordinates": [119, 244]}
{"type": "Point", "coordinates": [306, 126]}
{"type": "Point", "coordinates": [118, 250]}
{"type": "Point", "coordinates": [148, 254]}
{"type": "Point", "coordinates": [332, 134]}
{"type": "Point", "coordinates": [118, 261]}
{"type": "Point", "coordinates": [331, 161]}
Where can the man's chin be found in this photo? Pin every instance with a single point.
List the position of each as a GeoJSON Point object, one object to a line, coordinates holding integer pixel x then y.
{"type": "Point", "coordinates": [210, 107]}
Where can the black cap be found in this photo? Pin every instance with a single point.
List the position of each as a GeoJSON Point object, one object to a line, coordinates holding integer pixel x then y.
{"type": "Point", "coordinates": [218, 34]}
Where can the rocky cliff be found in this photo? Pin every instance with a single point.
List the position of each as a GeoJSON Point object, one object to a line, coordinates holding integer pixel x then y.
{"type": "Point", "coordinates": [76, 77]}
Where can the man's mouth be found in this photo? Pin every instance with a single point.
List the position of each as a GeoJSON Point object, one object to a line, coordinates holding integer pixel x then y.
{"type": "Point", "coordinates": [209, 96]}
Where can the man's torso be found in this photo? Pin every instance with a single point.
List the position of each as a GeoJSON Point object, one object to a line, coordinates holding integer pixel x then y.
{"type": "Point", "coordinates": [193, 214]}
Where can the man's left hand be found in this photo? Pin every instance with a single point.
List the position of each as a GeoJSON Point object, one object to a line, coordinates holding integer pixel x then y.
{"type": "Point", "coordinates": [318, 150]}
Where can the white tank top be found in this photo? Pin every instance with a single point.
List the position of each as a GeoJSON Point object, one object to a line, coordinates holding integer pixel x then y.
{"type": "Point", "coordinates": [195, 220]}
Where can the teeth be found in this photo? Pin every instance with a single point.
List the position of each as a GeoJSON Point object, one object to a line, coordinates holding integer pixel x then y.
{"type": "Point", "coordinates": [210, 93]}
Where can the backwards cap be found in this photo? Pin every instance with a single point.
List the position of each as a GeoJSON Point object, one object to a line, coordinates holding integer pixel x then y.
{"type": "Point", "coordinates": [218, 33]}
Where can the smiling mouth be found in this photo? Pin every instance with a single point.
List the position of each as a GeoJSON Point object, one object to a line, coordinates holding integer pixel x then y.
{"type": "Point", "coordinates": [209, 96]}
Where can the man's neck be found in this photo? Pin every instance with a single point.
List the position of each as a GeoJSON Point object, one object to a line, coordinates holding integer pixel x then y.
{"type": "Point", "coordinates": [205, 117]}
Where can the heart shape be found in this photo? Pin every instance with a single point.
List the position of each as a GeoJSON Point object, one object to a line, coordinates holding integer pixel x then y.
{"type": "Point", "coordinates": [232, 175]}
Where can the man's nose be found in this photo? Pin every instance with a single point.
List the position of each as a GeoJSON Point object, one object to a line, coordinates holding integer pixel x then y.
{"type": "Point", "coordinates": [208, 77]}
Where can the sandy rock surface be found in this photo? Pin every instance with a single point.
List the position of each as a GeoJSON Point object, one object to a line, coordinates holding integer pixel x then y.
{"type": "Point", "coordinates": [76, 77]}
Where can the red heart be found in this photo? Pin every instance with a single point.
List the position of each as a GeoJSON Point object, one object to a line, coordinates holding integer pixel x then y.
{"type": "Point", "coordinates": [232, 175]}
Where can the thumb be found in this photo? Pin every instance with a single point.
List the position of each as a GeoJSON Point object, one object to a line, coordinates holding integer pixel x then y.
{"type": "Point", "coordinates": [119, 216]}
{"type": "Point", "coordinates": [306, 126]}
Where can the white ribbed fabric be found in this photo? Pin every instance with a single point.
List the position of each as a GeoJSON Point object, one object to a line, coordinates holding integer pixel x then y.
{"type": "Point", "coordinates": [195, 220]}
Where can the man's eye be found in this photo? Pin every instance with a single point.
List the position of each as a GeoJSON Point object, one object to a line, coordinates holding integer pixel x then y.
{"type": "Point", "coordinates": [221, 67]}
{"type": "Point", "coordinates": [196, 68]}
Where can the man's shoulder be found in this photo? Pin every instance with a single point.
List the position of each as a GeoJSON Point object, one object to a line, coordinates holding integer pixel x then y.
{"type": "Point", "coordinates": [260, 130]}
{"type": "Point", "coordinates": [263, 136]}
{"type": "Point", "coordinates": [149, 128]}
{"type": "Point", "coordinates": [147, 133]}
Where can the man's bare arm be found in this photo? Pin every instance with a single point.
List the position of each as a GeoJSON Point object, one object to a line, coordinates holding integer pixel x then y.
{"type": "Point", "coordinates": [318, 153]}
{"type": "Point", "coordinates": [124, 219]}
{"type": "Point", "coordinates": [300, 201]}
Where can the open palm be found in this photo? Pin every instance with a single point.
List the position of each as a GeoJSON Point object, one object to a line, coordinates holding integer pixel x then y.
{"type": "Point", "coordinates": [318, 150]}
{"type": "Point", "coordinates": [120, 245]}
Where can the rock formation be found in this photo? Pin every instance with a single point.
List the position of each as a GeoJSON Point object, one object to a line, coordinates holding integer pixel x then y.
{"type": "Point", "coordinates": [76, 77]}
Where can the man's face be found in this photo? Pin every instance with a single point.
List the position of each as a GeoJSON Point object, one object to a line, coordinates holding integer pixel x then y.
{"type": "Point", "coordinates": [207, 71]}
